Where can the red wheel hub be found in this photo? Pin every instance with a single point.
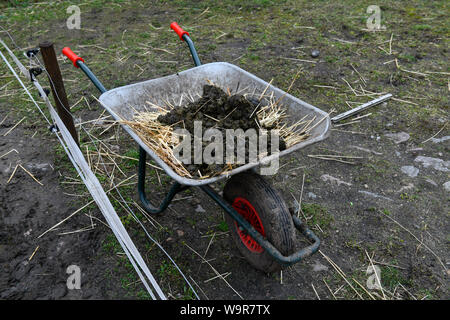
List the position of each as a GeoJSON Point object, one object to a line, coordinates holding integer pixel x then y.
{"type": "Point", "coordinates": [248, 212]}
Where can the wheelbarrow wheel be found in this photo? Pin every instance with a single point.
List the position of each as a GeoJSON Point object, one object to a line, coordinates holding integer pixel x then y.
{"type": "Point", "coordinates": [263, 207]}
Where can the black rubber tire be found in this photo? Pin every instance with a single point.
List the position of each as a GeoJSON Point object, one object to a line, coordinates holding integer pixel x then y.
{"type": "Point", "coordinates": [273, 213]}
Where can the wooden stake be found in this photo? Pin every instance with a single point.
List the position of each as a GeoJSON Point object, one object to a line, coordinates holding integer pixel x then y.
{"type": "Point", "coordinates": [57, 86]}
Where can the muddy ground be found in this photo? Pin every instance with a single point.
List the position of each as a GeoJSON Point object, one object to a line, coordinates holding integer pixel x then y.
{"type": "Point", "coordinates": [390, 203]}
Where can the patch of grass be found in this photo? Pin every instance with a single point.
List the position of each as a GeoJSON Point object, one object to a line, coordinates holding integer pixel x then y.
{"type": "Point", "coordinates": [169, 274]}
{"type": "Point", "coordinates": [407, 57]}
{"type": "Point", "coordinates": [131, 163]}
{"type": "Point", "coordinates": [191, 221]}
{"type": "Point", "coordinates": [317, 215]}
{"type": "Point", "coordinates": [425, 294]}
{"type": "Point", "coordinates": [391, 277]}
{"type": "Point", "coordinates": [422, 27]}
{"type": "Point", "coordinates": [188, 294]}
{"type": "Point", "coordinates": [167, 270]}
{"type": "Point", "coordinates": [222, 226]}
{"type": "Point", "coordinates": [408, 197]}
{"type": "Point", "coordinates": [127, 220]}
{"type": "Point", "coordinates": [354, 244]}
{"type": "Point", "coordinates": [143, 295]}
{"type": "Point", "coordinates": [253, 57]}
{"type": "Point", "coordinates": [110, 244]}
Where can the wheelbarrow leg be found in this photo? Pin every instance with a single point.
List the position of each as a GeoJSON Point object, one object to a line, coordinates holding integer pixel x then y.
{"type": "Point", "coordinates": [176, 187]}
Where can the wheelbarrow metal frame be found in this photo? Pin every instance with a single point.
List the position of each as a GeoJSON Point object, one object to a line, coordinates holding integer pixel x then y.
{"type": "Point", "coordinates": [178, 187]}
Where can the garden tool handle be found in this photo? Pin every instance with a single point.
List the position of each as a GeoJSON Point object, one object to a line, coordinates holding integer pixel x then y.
{"type": "Point", "coordinates": [72, 56]}
{"type": "Point", "coordinates": [184, 36]}
{"type": "Point", "coordinates": [178, 30]}
{"type": "Point", "coordinates": [78, 62]}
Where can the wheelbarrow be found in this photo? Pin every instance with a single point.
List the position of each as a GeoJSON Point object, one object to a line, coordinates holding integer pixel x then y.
{"type": "Point", "coordinates": [259, 220]}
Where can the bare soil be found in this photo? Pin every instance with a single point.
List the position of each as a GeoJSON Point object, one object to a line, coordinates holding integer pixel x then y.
{"type": "Point", "coordinates": [370, 207]}
{"type": "Point", "coordinates": [32, 267]}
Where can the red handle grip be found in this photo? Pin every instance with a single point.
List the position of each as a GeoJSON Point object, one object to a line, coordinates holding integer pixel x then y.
{"type": "Point", "coordinates": [72, 56]}
{"type": "Point", "coordinates": [180, 32]}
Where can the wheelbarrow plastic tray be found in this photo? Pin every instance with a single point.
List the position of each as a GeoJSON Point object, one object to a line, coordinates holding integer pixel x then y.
{"type": "Point", "coordinates": [123, 102]}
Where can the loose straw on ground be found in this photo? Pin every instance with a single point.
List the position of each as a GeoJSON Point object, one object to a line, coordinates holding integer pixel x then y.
{"type": "Point", "coordinates": [334, 158]}
{"type": "Point", "coordinates": [10, 130]}
{"type": "Point", "coordinates": [329, 289]}
{"type": "Point", "coordinates": [421, 242]}
{"type": "Point", "coordinates": [215, 271]}
{"type": "Point", "coordinates": [317, 295]}
{"type": "Point", "coordinates": [376, 274]}
{"type": "Point", "coordinates": [12, 174]}
{"type": "Point", "coordinates": [5, 154]}
{"type": "Point", "coordinates": [83, 207]}
{"type": "Point", "coordinates": [34, 252]}
{"type": "Point", "coordinates": [433, 135]}
{"type": "Point", "coordinates": [340, 272]}
{"type": "Point", "coordinates": [29, 173]}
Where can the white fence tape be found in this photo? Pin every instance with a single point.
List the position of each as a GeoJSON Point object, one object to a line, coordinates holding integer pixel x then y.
{"type": "Point", "coordinates": [98, 194]}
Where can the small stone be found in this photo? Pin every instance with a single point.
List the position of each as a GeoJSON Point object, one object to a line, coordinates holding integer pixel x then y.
{"type": "Point", "coordinates": [447, 186]}
{"type": "Point", "coordinates": [408, 187]}
{"type": "Point", "coordinates": [333, 180]}
{"type": "Point", "coordinates": [398, 137]}
{"type": "Point", "coordinates": [439, 140]}
{"type": "Point", "coordinates": [367, 150]}
{"type": "Point", "coordinates": [98, 122]}
{"type": "Point", "coordinates": [415, 151]}
{"type": "Point", "coordinates": [315, 53]}
{"type": "Point", "coordinates": [200, 209]}
{"type": "Point", "coordinates": [371, 194]}
{"type": "Point", "coordinates": [115, 148]}
{"type": "Point", "coordinates": [410, 171]}
{"type": "Point", "coordinates": [317, 267]}
{"type": "Point", "coordinates": [311, 195]}
{"type": "Point", "coordinates": [180, 233]}
{"type": "Point", "coordinates": [435, 163]}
